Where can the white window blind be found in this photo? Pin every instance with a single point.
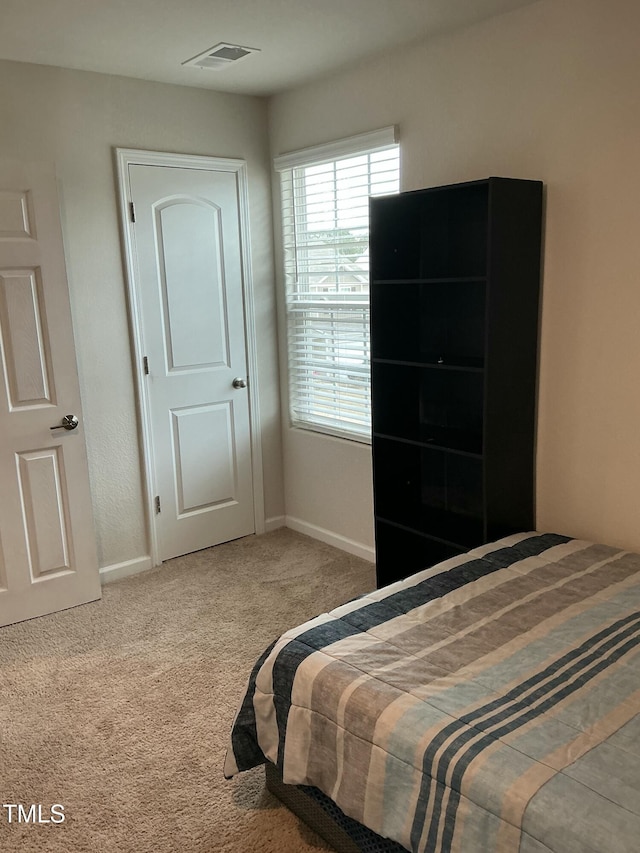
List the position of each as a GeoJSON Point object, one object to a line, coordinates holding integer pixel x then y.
{"type": "Point", "coordinates": [325, 212]}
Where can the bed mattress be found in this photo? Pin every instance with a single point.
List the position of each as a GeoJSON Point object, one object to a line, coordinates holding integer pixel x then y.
{"type": "Point", "coordinates": [491, 702]}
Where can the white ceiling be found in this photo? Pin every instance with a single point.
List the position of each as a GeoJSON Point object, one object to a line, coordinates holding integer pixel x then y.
{"type": "Point", "coordinates": [298, 39]}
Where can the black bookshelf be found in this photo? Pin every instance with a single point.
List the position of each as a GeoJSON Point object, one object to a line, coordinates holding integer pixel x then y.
{"type": "Point", "coordinates": [455, 275]}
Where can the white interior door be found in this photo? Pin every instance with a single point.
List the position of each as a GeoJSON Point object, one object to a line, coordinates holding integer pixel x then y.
{"type": "Point", "coordinates": [47, 543]}
{"type": "Point", "coordinates": [188, 276]}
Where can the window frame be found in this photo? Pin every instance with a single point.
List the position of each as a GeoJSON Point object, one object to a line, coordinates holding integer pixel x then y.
{"type": "Point", "coordinates": [350, 419]}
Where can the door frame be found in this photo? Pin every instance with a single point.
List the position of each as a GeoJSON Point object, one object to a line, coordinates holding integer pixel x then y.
{"type": "Point", "coordinates": [126, 157]}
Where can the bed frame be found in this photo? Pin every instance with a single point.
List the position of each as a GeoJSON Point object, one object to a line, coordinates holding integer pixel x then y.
{"type": "Point", "coordinates": [313, 807]}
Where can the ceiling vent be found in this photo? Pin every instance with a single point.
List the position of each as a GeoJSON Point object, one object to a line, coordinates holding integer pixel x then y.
{"type": "Point", "coordinates": [221, 56]}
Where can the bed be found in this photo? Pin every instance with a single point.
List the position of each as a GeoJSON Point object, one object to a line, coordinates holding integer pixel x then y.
{"type": "Point", "coordinates": [489, 703]}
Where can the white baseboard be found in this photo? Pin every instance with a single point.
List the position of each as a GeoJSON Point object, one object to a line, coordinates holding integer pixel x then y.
{"type": "Point", "coordinates": [133, 567]}
{"type": "Point", "coordinates": [330, 538]}
{"type": "Point", "coordinates": [124, 570]}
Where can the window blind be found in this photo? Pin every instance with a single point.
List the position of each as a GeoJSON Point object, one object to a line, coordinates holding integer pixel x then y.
{"type": "Point", "coordinates": [325, 220]}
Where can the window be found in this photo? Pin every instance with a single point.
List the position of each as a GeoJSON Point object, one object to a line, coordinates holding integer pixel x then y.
{"type": "Point", "coordinates": [325, 213]}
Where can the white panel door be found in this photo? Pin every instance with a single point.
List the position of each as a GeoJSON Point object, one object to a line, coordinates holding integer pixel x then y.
{"type": "Point", "coordinates": [188, 266]}
{"type": "Point", "coordinates": [47, 544]}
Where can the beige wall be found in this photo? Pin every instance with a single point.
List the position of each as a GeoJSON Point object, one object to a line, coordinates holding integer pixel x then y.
{"type": "Point", "coordinates": [549, 92]}
{"type": "Point", "coordinates": [75, 119]}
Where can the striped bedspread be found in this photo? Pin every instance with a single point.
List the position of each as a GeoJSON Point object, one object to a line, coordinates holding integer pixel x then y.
{"type": "Point", "coordinates": [490, 703]}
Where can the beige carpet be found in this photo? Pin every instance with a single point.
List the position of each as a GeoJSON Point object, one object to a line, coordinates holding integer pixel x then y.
{"type": "Point", "coordinates": [121, 710]}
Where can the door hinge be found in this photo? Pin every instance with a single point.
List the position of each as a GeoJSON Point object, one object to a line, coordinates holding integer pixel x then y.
{"type": "Point", "coordinates": [145, 365]}
{"type": "Point", "coordinates": [132, 211]}
{"type": "Point", "coordinates": [158, 510]}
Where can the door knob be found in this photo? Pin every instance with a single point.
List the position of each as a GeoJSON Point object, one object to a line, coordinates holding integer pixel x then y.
{"type": "Point", "coordinates": [238, 382]}
{"type": "Point", "coordinates": [68, 422]}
